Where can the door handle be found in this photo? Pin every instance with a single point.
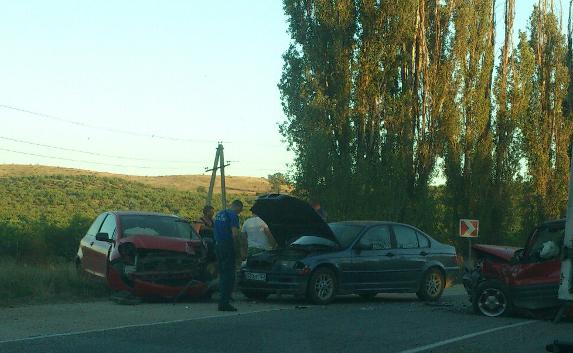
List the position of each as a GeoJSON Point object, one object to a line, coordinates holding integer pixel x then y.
{"type": "Point", "coordinates": [423, 253]}
{"type": "Point", "coordinates": [390, 254]}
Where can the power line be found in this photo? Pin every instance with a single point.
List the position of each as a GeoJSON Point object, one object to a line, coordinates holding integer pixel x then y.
{"type": "Point", "coordinates": [77, 160]}
{"type": "Point", "coordinates": [131, 133]}
{"type": "Point", "coordinates": [95, 153]}
{"type": "Point", "coordinates": [104, 128]}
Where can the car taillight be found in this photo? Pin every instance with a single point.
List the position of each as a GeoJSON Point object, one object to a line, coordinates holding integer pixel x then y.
{"type": "Point", "coordinates": [459, 260]}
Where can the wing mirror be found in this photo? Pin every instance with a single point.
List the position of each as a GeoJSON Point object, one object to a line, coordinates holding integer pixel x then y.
{"type": "Point", "coordinates": [518, 256]}
{"type": "Point", "coordinates": [103, 237]}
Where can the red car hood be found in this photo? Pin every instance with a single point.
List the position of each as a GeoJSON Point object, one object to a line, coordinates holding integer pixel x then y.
{"type": "Point", "coordinates": [501, 252]}
{"type": "Point", "coordinates": [162, 243]}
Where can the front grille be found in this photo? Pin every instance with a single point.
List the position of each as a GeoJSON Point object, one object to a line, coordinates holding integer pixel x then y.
{"type": "Point", "coordinates": [160, 260]}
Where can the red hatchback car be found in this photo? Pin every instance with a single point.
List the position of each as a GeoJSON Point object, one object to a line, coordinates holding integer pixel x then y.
{"type": "Point", "coordinates": [506, 278]}
{"type": "Point", "coordinates": [145, 254]}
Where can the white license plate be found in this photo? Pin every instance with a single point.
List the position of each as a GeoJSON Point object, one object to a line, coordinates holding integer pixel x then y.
{"type": "Point", "coordinates": [254, 276]}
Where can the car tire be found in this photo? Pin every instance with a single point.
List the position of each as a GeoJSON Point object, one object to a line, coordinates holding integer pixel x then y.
{"type": "Point", "coordinates": [322, 286]}
{"type": "Point", "coordinates": [491, 298]}
{"type": "Point", "coordinates": [79, 269]}
{"type": "Point", "coordinates": [255, 295]}
{"type": "Point", "coordinates": [367, 296]}
{"type": "Point", "coordinates": [432, 286]}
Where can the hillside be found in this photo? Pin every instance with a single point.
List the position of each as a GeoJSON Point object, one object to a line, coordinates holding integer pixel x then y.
{"type": "Point", "coordinates": [235, 184]}
{"type": "Point", "coordinates": [45, 211]}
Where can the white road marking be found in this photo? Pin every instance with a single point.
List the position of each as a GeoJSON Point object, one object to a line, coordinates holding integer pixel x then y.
{"type": "Point", "coordinates": [40, 337]}
{"type": "Point", "coordinates": [465, 337]}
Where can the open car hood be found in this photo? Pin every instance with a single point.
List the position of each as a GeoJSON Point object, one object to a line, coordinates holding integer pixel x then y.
{"type": "Point", "coordinates": [152, 242]}
{"type": "Point", "coordinates": [501, 252]}
{"type": "Point", "coordinates": [288, 218]}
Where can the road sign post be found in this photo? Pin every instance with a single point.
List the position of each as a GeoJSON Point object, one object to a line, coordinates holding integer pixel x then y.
{"type": "Point", "coordinates": [469, 228]}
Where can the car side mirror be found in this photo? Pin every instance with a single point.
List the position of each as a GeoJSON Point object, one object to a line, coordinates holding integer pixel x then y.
{"type": "Point", "coordinates": [518, 256]}
{"type": "Point", "coordinates": [103, 237]}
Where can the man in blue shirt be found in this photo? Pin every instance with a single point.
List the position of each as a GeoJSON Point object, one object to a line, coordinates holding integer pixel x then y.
{"type": "Point", "coordinates": [226, 231]}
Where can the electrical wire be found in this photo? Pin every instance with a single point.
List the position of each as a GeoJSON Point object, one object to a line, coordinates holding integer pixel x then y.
{"type": "Point", "coordinates": [104, 128]}
{"type": "Point", "coordinates": [96, 153]}
{"type": "Point", "coordinates": [76, 160]}
{"type": "Point", "coordinates": [133, 133]}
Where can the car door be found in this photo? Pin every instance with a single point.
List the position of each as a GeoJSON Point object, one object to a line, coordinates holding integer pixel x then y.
{"type": "Point", "coordinates": [372, 259]}
{"type": "Point", "coordinates": [88, 259]}
{"type": "Point", "coordinates": [536, 278]}
{"type": "Point", "coordinates": [101, 248]}
{"type": "Point", "coordinates": [410, 258]}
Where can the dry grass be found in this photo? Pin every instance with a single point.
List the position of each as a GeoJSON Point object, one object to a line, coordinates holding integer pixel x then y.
{"type": "Point", "coordinates": [235, 184]}
{"type": "Point", "coordinates": [46, 283]}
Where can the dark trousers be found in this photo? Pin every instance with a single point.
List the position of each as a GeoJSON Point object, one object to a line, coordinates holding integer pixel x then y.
{"type": "Point", "coordinates": [225, 250]}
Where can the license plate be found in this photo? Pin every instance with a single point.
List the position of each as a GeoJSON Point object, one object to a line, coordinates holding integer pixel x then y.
{"type": "Point", "coordinates": [254, 276]}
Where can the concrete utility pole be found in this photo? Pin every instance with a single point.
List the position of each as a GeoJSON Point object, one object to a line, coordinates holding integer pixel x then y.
{"type": "Point", "coordinates": [219, 163]}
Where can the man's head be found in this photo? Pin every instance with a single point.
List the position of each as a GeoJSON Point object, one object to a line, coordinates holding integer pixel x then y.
{"type": "Point", "coordinates": [237, 206]}
{"type": "Point", "coordinates": [315, 204]}
{"type": "Point", "coordinates": [208, 211]}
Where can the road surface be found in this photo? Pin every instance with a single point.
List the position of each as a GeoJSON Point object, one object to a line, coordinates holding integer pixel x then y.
{"type": "Point", "coordinates": [388, 323]}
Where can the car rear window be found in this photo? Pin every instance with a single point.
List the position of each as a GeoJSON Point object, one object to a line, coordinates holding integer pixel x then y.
{"type": "Point", "coordinates": [423, 240]}
{"type": "Point", "coordinates": [406, 237]}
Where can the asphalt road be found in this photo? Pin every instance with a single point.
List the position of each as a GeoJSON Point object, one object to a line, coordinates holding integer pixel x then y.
{"type": "Point", "coordinates": [389, 323]}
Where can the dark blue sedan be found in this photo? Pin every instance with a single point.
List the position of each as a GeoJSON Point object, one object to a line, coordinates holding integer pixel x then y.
{"type": "Point", "coordinates": [320, 260]}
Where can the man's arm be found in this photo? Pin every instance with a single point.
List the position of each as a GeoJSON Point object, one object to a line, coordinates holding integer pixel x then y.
{"type": "Point", "coordinates": [270, 237]}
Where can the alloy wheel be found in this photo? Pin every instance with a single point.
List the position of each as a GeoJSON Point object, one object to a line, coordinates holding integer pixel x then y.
{"type": "Point", "coordinates": [492, 302]}
{"type": "Point", "coordinates": [324, 286]}
{"type": "Point", "coordinates": [434, 284]}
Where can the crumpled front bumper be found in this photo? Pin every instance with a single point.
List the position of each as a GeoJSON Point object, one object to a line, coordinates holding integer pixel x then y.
{"type": "Point", "coordinates": [157, 284]}
{"type": "Point", "coordinates": [470, 280]}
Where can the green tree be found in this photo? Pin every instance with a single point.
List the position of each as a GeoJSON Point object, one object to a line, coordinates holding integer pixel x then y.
{"type": "Point", "coordinates": [468, 128]}
{"type": "Point", "coordinates": [546, 129]}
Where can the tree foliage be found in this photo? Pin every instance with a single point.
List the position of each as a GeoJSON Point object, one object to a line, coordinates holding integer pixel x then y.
{"type": "Point", "coordinates": [384, 98]}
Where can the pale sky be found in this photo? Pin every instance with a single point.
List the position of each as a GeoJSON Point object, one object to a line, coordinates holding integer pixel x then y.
{"type": "Point", "coordinates": [199, 71]}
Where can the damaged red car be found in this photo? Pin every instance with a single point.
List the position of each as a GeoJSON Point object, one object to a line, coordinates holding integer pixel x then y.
{"type": "Point", "coordinates": [505, 278]}
{"type": "Point", "coordinates": [146, 255]}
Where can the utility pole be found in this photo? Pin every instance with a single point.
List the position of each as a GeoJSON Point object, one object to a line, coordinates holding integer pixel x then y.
{"type": "Point", "coordinates": [223, 188]}
{"type": "Point", "coordinates": [219, 163]}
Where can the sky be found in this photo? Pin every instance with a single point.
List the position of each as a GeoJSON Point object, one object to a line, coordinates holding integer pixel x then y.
{"type": "Point", "coordinates": [148, 87]}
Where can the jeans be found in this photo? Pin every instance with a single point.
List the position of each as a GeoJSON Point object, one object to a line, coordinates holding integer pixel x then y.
{"type": "Point", "coordinates": [225, 250]}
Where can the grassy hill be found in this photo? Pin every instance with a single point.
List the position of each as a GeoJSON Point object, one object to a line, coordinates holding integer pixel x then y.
{"type": "Point", "coordinates": [235, 184]}
{"type": "Point", "coordinates": [46, 210]}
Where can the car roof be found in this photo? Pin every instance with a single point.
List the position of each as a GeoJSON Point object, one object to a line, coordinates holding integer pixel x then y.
{"type": "Point", "coordinates": [553, 222]}
{"type": "Point", "coordinates": [371, 223]}
{"type": "Point", "coordinates": [141, 213]}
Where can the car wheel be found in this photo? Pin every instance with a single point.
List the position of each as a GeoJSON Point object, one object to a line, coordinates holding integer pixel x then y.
{"type": "Point", "coordinates": [322, 286]}
{"type": "Point", "coordinates": [491, 299]}
{"type": "Point", "coordinates": [255, 295]}
{"type": "Point", "coordinates": [367, 296]}
{"type": "Point", "coordinates": [432, 285]}
{"type": "Point", "coordinates": [79, 269]}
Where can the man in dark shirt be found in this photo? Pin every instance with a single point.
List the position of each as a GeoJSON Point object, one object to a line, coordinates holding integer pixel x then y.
{"type": "Point", "coordinates": [226, 231]}
{"type": "Point", "coordinates": [206, 221]}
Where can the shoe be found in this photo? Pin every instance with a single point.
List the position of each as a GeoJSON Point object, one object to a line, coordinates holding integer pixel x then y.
{"type": "Point", "coordinates": [227, 307]}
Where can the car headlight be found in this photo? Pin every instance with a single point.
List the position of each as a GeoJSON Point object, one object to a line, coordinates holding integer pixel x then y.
{"type": "Point", "coordinates": [286, 264]}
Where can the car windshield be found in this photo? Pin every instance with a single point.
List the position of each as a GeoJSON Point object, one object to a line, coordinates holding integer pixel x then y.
{"type": "Point", "coordinates": [160, 226]}
{"type": "Point", "coordinates": [345, 233]}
